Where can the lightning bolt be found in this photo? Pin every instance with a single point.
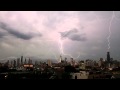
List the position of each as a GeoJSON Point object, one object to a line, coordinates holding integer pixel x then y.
{"type": "Point", "coordinates": [60, 42]}
{"type": "Point", "coordinates": [78, 56]}
{"type": "Point", "coordinates": [62, 50]}
{"type": "Point", "coordinates": [108, 38]}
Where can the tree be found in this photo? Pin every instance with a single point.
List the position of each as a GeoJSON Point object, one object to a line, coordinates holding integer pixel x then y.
{"type": "Point", "coordinates": [66, 75]}
{"type": "Point", "coordinates": [69, 69]}
{"type": "Point", "coordinates": [4, 69]}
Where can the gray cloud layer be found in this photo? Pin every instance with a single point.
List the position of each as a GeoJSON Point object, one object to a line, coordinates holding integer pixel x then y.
{"type": "Point", "coordinates": [89, 38]}
{"type": "Point", "coordinates": [73, 35]}
{"type": "Point", "coordinates": [15, 33]}
{"type": "Point", "coordinates": [2, 34]}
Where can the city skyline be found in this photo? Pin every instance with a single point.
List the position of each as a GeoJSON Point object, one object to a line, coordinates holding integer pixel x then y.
{"type": "Point", "coordinates": [49, 34]}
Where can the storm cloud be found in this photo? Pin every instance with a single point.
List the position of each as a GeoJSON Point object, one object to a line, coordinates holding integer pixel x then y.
{"type": "Point", "coordinates": [38, 34]}
{"type": "Point", "coordinates": [2, 35]}
{"type": "Point", "coordinates": [15, 33]}
{"type": "Point", "coordinates": [73, 35]}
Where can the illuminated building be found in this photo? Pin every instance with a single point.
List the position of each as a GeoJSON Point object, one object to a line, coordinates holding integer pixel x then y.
{"type": "Point", "coordinates": [80, 75]}
{"type": "Point", "coordinates": [28, 65]}
{"type": "Point", "coordinates": [49, 62]}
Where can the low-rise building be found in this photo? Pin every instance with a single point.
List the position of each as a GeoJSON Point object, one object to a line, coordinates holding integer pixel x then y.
{"type": "Point", "coordinates": [80, 75]}
{"type": "Point", "coordinates": [90, 75]}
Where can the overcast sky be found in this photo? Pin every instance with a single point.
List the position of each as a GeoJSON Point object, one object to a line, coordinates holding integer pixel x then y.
{"type": "Point", "coordinates": [47, 34]}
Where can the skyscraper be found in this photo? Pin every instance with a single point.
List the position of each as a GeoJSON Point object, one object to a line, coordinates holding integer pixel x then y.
{"type": "Point", "coordinates": [14, 64]}
{"type": "Point", "coordinates": [21, 60]}
{"type": "Point", "coordinates": [29, 61]}
{"type": "Point", "coordinates": [11, 63]}
{"type": "Point", "coordinates": [25, 61]}
{"type": "Point", "coordinates": [108, 56]}
{"type": "Point", "coordinates": [18, 62]}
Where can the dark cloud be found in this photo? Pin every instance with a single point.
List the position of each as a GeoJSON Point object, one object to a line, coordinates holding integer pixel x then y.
{"type": "Point", "coordinates": [77, 37]}
{"type": "Point", "coordinates": [73, 35]}
{"type": "Point", "coordinates": [16, 33]}
{"type": "Point", "coordinates": [67, 33]}
{"type": "Point", "coordinates": [1, 35]}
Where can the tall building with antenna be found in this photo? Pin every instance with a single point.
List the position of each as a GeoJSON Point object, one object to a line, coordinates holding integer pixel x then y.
{"type": "Point", "coordinates": [108, 56]}
{"type": "Point", "coordinates": [108, 63]}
